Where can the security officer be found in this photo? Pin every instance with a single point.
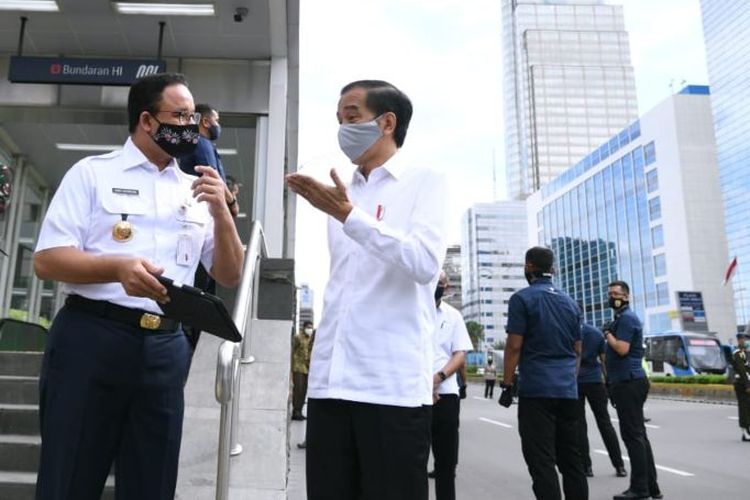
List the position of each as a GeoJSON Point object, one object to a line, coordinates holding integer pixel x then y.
{"type": "Point", "coordinates": [628, 389]}
{"type": "Point", "coordinates": [544, 341]}
{"type": "Point", "coordinates": [741, 365]}
{"type": "Point", "coordinates": [591, 387]}
{"type": "Point", "coordinates": [111, 386]}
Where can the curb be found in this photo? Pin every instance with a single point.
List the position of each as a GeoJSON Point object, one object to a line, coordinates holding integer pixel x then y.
{"type": "Point", "coordinates": [698, 393]}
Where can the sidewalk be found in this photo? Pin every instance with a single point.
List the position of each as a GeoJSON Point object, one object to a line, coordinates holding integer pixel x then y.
{"type": "Point", "coordinates": [296, 484]}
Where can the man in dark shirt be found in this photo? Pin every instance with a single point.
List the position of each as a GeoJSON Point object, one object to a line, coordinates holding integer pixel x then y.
{"type": "Point", "coordinates": [629, 388]}
{"type": "Point", "coordinates": [591, 387]}
{"type": "Point", "coordinates": [544, 341]}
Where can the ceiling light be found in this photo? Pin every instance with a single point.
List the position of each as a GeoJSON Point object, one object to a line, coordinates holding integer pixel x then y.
{"type": "Point", "coordinates": [165, 9]}
{"type": "Point", "coordinates": [87, 147]}
{"type": "Point", "coordinates": [30, 5]}
{"type": "Point", "coordinates": [227, 152]}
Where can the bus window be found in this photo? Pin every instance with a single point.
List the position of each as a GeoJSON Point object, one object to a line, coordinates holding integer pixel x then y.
{"type": "Point", "coordinates": [706, 355]}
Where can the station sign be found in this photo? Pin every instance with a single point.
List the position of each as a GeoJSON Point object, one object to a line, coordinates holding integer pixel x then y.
{"type": "Point", "coordinates": [81, 71]}
{"type": "Point", "coordinates": [692, 311]}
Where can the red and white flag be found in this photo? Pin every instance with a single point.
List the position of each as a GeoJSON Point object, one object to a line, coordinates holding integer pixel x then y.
{"type": "Point", "coordinates": [730, 271]}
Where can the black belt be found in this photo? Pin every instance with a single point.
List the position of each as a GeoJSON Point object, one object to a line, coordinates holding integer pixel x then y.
{"type": "Point", "coordinates": [133, 317]}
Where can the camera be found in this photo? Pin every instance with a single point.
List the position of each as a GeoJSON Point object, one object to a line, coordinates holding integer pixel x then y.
{"type": "Point", "coordinates": [240, 13]}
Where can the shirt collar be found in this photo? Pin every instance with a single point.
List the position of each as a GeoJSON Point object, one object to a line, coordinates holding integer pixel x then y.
{"type": "Point", "coordinates": [542, 280]}
{"type": "Point", "coordinates": [393, 167]}
{"type": "Point", "coordinates": [131, 156]}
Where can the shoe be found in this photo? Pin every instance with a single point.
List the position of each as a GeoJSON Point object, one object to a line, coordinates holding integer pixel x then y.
{"type": "Point", "coordinates": [646, 419]}
{"type": "Point", "coordinates": [588, 472]}
{"type": "Point", "coordinates": [302, 445]}
{"type": "Point", "coordinates": [431, 474]}
{"type": "Point", "coordinates": [629, 495]}
{"type": "Point", "coordinates": [621, 472]}
{"type": "Point", "coordinates": [298, 416]}
{"type": "Point", "coordinates": [656, 494]}
{"type": "Point", "coordinates": [745, 437]}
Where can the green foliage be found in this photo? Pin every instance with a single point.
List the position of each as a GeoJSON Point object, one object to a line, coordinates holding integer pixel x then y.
{"type": "Point", "coordinates": [471, 369]}
{"type": "Point", "coordinates": [499, 345]}
{"type": "Point", "coordinates": [476, 333]}
{"type": "Point", "coordinates": [19, 314]}
{"type": "Point", "coordinates": [692, 379]}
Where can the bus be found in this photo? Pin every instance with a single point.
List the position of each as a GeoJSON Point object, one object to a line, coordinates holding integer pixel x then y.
{"type": "Point", "coordinates": [684, 353]}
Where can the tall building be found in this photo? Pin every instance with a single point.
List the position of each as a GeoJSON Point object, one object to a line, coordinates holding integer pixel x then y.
{"type": "Point", "coordinates": [493, 245]}
{"type": "Point", "coordinates": [568, 85]}
{"type": "Point", "coordinates": [645, 208]}
{"type": "Point", "coordinates": [452, 268]}
{"type": "Point", "coordinates": [306, 305]}
{"type": "Point", "coordinates": [725, 25]}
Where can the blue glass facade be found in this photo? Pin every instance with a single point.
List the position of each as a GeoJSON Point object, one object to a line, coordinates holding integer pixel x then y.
{"type": "Point", "coordinates": [725, 25]}
{"type": "Point", "coordinates": [600, 229]}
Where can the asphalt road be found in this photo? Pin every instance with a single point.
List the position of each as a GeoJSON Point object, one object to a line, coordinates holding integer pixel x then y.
{"type": "Point", "coordinates": [697, 449]}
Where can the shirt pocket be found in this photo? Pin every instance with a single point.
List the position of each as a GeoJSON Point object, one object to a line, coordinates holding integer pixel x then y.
{"type": "Point", "coordinates": [192, 225]}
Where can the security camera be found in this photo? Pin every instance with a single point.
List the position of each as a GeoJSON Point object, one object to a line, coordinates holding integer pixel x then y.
{"type": "Point", "coordinates": [240, 13]}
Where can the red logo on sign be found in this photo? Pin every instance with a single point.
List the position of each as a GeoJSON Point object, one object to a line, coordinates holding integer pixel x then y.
{"type": "Point", "coordinates": [55, 69]}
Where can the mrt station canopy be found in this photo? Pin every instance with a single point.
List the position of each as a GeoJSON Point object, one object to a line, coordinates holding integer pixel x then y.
{"type": "Point", "coordinates": [239, 56]}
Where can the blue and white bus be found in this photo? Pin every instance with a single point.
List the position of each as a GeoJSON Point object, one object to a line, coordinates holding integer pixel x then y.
{"type": "Point", "coordinates": [684, 353]}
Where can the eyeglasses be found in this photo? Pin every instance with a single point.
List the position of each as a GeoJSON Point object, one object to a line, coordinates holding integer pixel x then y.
{"type": "Point", "coordinates": [183, 116]}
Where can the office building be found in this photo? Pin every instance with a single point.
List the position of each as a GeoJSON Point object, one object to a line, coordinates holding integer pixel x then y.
{"type": "Point", "coordinates": [452, 268]}
{"type": "Point", "coordinates": [568, 85]}
{"type": "Point", "coordinates": [725, 25]}
{"type": "Point", "coordinates": [493, 245]}
{"type": "Point", "coordinates": [645, 207]}
{"type": "Point", "coordinates": [306, 304]}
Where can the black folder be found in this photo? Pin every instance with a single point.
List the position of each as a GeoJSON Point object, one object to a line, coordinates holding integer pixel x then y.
{"type": "Point", "coordinates": [194, 307]}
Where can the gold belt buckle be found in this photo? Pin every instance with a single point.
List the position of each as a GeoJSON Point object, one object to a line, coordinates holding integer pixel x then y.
{"type": "Point", "coordinates": [150, 321]}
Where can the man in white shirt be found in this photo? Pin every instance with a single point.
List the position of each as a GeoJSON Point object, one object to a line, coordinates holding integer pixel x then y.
{"type": "Point", "coordinates": [111, 386]}
{"type": "Point", "coordinates": [451, 343]}
{"type": "Point", "coordinates": [370, 381]}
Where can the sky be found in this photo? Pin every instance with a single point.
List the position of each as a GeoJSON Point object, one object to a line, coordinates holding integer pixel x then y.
{"type": "Point", "coordinates": [446, 55]}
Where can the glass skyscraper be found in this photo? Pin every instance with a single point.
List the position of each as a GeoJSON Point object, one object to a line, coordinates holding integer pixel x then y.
{"type": "Point", "coordinates": [568, 85]}
{"type": "Point", "coordinates": [643, 207]}
{"type": "Point", "coordinates": [725, 28]}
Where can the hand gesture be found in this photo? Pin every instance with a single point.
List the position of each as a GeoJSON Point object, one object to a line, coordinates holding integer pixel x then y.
{"type": "Point", "coordinates": [138, 278]}
{"type": "Point", "coordinates": [332, 200]}
{"type": "Point", "coordinates": [210, 188]}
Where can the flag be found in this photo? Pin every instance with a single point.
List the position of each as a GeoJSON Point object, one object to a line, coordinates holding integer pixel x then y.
{"type": "Point", "coordinates": [730, 271]}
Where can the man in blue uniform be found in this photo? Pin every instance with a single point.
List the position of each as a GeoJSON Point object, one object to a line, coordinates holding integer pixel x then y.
{"type": "Point", "coordinates": [591, 387]}
{"type": "Point", "coordinates": [111, 386]}
{"type": "Point", "coordinates": [628, 388]}
{"type": "Point", "coordinates": [544, 341]}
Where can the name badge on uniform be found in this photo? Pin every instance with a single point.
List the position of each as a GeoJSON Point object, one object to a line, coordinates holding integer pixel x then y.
{"type": "Point", "coordinates": [129, 192]}
{"type": "Point", "coordinates": [184, 255]}
{"type": "Point", "coordinates": [122, 231]}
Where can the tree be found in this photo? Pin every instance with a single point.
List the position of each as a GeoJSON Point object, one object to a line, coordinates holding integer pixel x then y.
{"type": "Point", "coordinates": [499, 345]}
{"type": "Point", "coordinates": [476, 333]}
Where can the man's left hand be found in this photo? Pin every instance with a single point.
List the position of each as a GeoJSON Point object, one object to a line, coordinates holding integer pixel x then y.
{"type": "Point", "coordinates": [210, 188]}
{"type": "Point", "coordinates": [332, 200]}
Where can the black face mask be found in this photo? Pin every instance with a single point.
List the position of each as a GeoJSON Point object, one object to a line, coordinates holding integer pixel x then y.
{"type": "Point", "coordinates": [439, 291]}
{"type": "Point", "coordinates": [617, 304]}
{"type": "Point", "coordinates": [176, 140]}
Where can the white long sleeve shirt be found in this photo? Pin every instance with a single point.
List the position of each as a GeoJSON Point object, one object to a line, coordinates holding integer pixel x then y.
{"type": "Point", "coordinates": [451, 337]}
{"type": "Point", "coordinates": [374, 341]}
{"type": "Point", "coordinates": [170, 228]}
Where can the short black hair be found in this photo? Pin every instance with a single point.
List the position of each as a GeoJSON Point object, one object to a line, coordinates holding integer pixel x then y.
{"type": "Point", "coordinates": [307, 323]}
{"type": "Point", "coordinates": [542, 258]}
{"type": "Point", "coordinates": [383, 97]}
{"type": "Point", "coordinates": [146, 93]}
{"type": "Point", "coordinates": [204, 109]}
{"type": "Point", "coordinates": [621, 284]}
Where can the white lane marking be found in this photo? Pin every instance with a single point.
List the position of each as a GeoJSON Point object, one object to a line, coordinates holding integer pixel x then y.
{"type": "Point", "coordinates": [650, 426]}
{"type": "Point", "coordinates": [495, 422]}
{"type": "Point", "coordinates": [481, 399]}
{"type": "Point", "coordinates": [660, 467]}
{"type": "Point", "coordinates": [733, 418]}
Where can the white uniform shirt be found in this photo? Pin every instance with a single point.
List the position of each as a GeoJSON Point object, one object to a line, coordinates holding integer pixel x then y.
{"type": "Point", "coordinates": [374, 341]}
{"type": "Point", "coordinates": [170, 228]}
{"type": "Point", "coordinates": [450, 336]}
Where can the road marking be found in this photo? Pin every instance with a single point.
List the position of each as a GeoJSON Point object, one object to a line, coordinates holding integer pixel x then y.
{"type": "Point", "coordinates": [495, 422]}
{"type": "Point", "coordinates": [481, 399]}
{"type": "Point", "coordinates": [733, 418]}
{"type": "Point", "coordinates": [660, 467]}
{"type": "Point", "coordinates": [650, 426]}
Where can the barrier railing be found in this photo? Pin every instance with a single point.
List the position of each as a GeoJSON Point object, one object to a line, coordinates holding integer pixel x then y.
{"type": "Point", "coordinates": [230, 355]}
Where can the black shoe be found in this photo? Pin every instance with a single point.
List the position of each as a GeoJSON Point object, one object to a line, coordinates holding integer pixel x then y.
{"type": "Point", "coordinates": [302, 445]}
{"type": "Point", "coordinates": [656, 494]}
{"type": "Point", "coordinates": [431, 474]}
{"type": "Point", "coordinates": [298, 416]}
{"type": "Point", "coordinates": [588, 472]}
{"type": "Point", "coordinates": [629, 495]}
{"type": "Point", "coordinates": [621, 472]}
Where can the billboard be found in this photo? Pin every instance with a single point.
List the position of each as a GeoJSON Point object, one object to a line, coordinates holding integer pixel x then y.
{"type": "Point", "coordinates": [692, 312]}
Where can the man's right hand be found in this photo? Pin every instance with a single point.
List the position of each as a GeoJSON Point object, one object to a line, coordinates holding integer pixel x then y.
{"type": "Point", "coordinates": [138, 278]}
{"type": "Point", "coordinates": [506, 397]}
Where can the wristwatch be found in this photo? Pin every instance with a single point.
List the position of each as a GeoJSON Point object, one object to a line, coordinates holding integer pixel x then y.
{"type": "Point", "coordinates": [442, 375]}
{"type": "Point", "coordinates": [505, 386]}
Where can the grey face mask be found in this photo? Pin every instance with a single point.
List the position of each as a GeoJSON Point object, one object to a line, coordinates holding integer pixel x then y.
{"type": "Point", "coordinates": [356, 138]}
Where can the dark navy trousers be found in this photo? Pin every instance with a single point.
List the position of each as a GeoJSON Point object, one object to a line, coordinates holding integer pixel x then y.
{"type": "Point", "coordinates": [110, 392]}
